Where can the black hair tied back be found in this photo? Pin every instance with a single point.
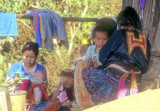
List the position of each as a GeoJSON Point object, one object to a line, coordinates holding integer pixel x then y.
{"type": "Point", "coordinates": [129, 17]}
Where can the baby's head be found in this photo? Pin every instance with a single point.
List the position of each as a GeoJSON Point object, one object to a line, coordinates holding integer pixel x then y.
{"type": "Point", "coordinates": [83, 49]}
{"type": "Point", "coordinates": [40, 74]}
{"type": "Point", "coordinates": [99, 36]}
{"type": "Point", "coordinates": [67, 78]}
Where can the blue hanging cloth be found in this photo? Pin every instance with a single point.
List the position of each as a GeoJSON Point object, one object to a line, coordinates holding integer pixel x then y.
{"type": "Point", "coordinates": [8, 24]}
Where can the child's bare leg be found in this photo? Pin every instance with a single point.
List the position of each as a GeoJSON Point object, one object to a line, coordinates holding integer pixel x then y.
{"type": "Point", "coordinates": [38, 95]}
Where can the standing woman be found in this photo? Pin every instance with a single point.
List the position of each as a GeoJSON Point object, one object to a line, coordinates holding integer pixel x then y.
{"type": "Point", "coordinates": [28, 69]}
{"type": "Point", "coordinates": [124, 58]}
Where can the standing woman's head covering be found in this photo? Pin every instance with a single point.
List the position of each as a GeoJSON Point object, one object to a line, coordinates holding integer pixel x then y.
{"type": "Point", "coordinates": [129, 17]}
{"type": "Point", "coordinates": [109, 24]}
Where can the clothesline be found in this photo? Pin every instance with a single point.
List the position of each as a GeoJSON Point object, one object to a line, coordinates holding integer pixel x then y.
{"type": "Point", "coordinates": [74, 19]}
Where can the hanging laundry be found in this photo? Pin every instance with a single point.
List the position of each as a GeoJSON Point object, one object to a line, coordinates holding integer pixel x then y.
{"type": "Point", "coordinates": [37, 32]}
{"type": "Point", "coordinates": [51, 25]}
{"type": "Point", "coordinates": [8, 24]}
{"type": "Point", "coordinates": [42, 32]}
{"type": "Point", "coordinates": [46, 26]}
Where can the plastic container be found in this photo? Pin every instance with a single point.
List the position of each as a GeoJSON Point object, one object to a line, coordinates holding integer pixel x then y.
{"type": "Point", "coordinates": [5, 102]}
{"type": "Point", "coordinates": [18, 100]}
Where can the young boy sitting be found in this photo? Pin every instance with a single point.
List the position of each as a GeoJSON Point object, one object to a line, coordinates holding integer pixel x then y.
{"type": "Point", "coordinates": [66, 83]}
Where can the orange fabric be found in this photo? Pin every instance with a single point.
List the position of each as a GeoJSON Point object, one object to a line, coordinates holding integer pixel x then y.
{"type": "Point", "coordinates": [53, 107]}
{"type": "Point", "coordinates": [133, 80]}
{"type": "Point", "coordinates": [31, 95]}
{"type": "Point", "coordinates": [124, 76]}
{"type": "Point", "coordinates": [81, 95]}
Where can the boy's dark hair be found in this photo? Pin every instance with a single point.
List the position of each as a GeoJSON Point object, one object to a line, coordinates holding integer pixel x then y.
{"type": "Point", "coordinates": [67, 72]}
{"type": "Point", "coordinates": [31, 46]}
{"type": "Point", "coordinates": [129, 17]}
{"type": "Point", "coordinates": [98, 29]}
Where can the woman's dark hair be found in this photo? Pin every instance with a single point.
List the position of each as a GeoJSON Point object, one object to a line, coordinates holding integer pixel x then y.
{"type": "Point", "coordinates": [107, 25]}
{"type": "Point", "coordinates": [129, 17]}
{"type": "Point", "coordinates": [31, 46]}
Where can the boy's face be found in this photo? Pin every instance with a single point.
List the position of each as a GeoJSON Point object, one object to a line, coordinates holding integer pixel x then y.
{"type": "Point", "coordinates": [100, 39]}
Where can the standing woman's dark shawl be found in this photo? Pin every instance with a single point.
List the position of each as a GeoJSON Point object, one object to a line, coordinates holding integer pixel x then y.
{"type": "Point", "coordinates": [117, 50]}
{"type": "Point", "coordinates": [126, 55]}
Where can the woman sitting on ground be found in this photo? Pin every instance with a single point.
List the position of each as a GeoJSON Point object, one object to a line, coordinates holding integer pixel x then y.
{"type": "Point", "coordinates": [29, 71]}
{"type": "Point", "coordinates": [124, 58]}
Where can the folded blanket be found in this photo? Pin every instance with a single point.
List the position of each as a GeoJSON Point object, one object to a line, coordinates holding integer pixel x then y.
{"type": "Point", "coordinates": [8, 24]}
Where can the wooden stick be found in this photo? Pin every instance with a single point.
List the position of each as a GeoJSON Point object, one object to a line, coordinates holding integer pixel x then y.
{"type": "Point", "coordinates": [74, 19]}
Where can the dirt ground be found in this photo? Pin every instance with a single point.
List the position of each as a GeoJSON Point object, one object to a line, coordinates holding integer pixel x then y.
{"type": "Point", "coordinates": [145, 101]}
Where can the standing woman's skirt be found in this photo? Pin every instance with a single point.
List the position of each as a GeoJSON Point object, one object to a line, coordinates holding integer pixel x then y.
{"type": "Point", "coordinates": [99, 84]}
{"type": "Point", "coordinates": [92, 86]}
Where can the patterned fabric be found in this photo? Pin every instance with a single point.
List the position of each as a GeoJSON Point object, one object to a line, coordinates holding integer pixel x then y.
{"type": "Point", "coordinates": [134, 42]}
{"type": "Point", "coordinates": [43, 105]}
{"type": "Point", "coordinates": [93, 86]}
{"type": "Point", "coordinates": [62, 97]}
{"type": "Point", "coordinates": [99, 84]}
{"type": "Point", "coordinates": [24, 85]}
